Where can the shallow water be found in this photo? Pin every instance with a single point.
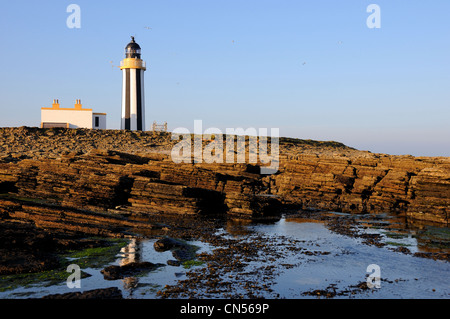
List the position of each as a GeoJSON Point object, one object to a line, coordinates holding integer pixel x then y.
{"type": "Point", "coordinates": [330, 262]}
{"type": "Point", "coordinates": [402, 276]}
{"type": "Point", "coordinates": [140, 287]}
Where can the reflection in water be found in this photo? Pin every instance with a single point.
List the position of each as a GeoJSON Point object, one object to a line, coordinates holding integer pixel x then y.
{"type": "Point", "coordinates": [302, 253]}
{"type": "Point", "coordinates": [344, 266]}
{"type": "Point", "coordinates": [417, 236]}
{"type": "Point", "coordinates": [131, 253]}
{"type": "Point", "coordinates": [238, 227]}
{"type": "Point", "coordinates": [395, 230]}
{"type": "Point", "coordinates": [303, 220]}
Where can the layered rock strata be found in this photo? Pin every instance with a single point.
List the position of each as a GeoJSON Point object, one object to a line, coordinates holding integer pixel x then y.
{"type": "Point", "coordinates": [117, 171]}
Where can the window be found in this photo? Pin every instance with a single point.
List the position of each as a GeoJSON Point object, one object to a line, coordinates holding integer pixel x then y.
{"type": "Point", "coordinates": [97, 121]}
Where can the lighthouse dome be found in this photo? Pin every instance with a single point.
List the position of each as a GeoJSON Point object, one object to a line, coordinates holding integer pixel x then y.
{"type": "Point", "coordinates": [133, 50]}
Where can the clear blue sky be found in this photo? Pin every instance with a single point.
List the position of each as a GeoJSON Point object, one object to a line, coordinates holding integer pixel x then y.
{"type": "Point", "coordinates": [312, 68]}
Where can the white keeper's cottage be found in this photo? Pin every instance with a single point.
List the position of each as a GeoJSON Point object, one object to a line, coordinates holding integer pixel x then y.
{"type": "Point", "coordinates": [77, 117]}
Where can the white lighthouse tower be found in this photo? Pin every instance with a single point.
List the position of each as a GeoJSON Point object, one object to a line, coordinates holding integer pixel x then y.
{"type": "Point", "coordinates": [133, 105]}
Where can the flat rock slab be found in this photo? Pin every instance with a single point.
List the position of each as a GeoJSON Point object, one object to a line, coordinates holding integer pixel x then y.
{"type": "Point", "coordinates": [107, 293]}
{"type": "Point", "coordinates": [167, 243]}
{"type": "Point", "coordinates": [128, 270]}
{"type": "Point", "coordinates": [172, 262]}
{"type": "Point", "coordinates": [181, 251]}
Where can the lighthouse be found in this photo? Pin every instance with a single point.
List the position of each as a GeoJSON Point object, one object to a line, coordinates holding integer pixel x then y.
{"type": "Point", "coordinates": [133, 105]}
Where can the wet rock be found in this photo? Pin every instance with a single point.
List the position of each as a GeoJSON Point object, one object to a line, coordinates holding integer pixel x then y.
{"type": "Point", "coordinates": [181, 251]}
{"type": "Point", "coordinates": [167, 243]}
{"type": "Point", "coordinates": [183, 254]}
{"type": "Point", "coordinates": [26, 261]}
{"type": "Point", "coordinates": [435, 256]}
{"type": "Point", "coordinates": [25, 248]}
{"type": "Point", "coordinates": [172, 262]}
{"type": "Point", "coordinates": [253, 206]}
{"type": "Point", "coordinates": [65, 219]}
{"type": "Point", "coordinates": [329, 292]}
{"type": "Point", "coordinates": [128, 270]}
{"type": "Point", "coordinates": [402, 249]}
{"type": "Point", "coordinates": [107, 293]}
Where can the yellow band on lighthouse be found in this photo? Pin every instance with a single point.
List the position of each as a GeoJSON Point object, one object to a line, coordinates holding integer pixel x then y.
{"type": "Point", "coordinates": [130, 63]}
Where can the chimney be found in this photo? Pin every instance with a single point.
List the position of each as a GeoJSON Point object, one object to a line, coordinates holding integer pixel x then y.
{"type": "Point", "coordinates": [55, 104]}
{"type": "Point", "coordinates": [78, 105]}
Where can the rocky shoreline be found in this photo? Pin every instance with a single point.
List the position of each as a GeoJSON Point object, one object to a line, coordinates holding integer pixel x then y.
{"type": "Point", "coordinates": [133, 170]}
{"type": "Point", "coordinates": [63, 189]}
